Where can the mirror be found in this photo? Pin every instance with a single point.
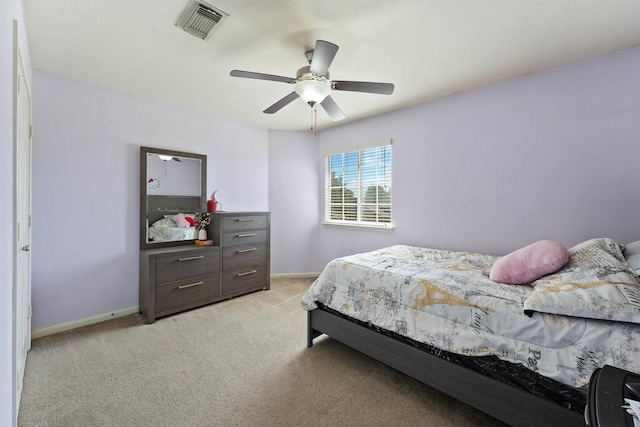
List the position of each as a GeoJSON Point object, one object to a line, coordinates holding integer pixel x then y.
{"type": "Point", "coordinates": [171, 182]}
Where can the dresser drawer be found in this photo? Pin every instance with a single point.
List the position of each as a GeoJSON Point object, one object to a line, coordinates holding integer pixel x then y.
{"type": "Point", "coordinates": [248, 237]}
{"type": "Point", "coordinates": [242, 256]}
{"type": "Point", "coordinates": [185, 293]}
{"type": "Point", "coordinates": [185, 265]}
{"type": "Point", "coordinates": [244, 279]}
{"type": "Point", "coordinates": [244, 222]}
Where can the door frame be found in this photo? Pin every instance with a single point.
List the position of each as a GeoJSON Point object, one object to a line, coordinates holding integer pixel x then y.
{"type": "Point", "coordinates": [22, 213]}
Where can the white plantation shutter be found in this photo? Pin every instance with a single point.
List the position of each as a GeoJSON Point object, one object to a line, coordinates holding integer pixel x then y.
{"type": "Point", "coordinates": [358, 186]}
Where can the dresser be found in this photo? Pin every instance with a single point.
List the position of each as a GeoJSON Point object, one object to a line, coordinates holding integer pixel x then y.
{"type": "Point", "coordinates": [244, 241]}
{"type": "Point", "coordinates": [179, 278]}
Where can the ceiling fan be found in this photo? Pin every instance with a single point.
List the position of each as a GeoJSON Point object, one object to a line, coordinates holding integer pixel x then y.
{"type": "Point", "coordinates": [166, 158]}
{"type": "Point", "coordinates": [313, 83]}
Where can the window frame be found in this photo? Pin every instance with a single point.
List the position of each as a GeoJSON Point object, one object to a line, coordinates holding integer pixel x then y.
{"type": "Point", "coordinates": [380, 180]}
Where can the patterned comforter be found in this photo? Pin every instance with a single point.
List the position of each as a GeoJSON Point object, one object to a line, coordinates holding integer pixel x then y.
{"type": "Point", "coordinates": [446, 299]}
{"type": "Point", "coordinates": [171, 234]}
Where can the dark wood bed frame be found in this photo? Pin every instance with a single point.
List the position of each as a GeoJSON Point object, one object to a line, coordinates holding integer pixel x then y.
{"type": "Point", "coordinates": [507, 403]}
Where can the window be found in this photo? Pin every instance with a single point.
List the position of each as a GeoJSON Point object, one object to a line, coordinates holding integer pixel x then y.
{"type": "Point", "coordinates": [358, 187]}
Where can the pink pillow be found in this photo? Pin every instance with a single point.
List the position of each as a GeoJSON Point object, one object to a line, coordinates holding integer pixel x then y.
{"type": "Point", "coordinates": [180, 220]}
{"type": "Point", "coordinates": [529, 263]}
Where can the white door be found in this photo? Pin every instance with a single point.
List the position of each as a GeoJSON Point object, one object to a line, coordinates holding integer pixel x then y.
{"type": "Point", "coordinates": [22, 307]}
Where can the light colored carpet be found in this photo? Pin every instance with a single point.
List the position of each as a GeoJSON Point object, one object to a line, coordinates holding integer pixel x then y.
{"type": "Point", "coordinates": [241, 362]}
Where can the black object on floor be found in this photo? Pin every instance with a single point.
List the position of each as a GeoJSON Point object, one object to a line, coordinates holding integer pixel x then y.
{"type": "Point", "coordinates": [608, 388]}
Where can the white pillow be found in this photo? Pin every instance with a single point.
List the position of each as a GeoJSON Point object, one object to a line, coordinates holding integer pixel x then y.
{"type": "Point", "coordinates": [632, 255]}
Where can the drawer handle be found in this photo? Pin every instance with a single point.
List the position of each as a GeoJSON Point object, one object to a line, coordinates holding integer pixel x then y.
{"type": "Point", "coordinates": [244, 219]}
{"type": "Point", "coordinates": [241, 251]}
{"type": "Point", "coordinates": [247, 235]}
{"type": "Point", "coordinates": [190, 285]}
{"type": "Point", "coordinates": [190, 258]}
{"type": "Point", "coordinates": [247, 273]}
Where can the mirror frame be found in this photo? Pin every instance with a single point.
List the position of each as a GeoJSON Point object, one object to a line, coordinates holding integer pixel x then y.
{"type": "Point", "coordinates": [144, 151]}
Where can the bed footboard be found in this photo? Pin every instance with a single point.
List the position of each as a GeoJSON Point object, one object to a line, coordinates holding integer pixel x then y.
{"type": "Point", "coordinates": [502, 401]}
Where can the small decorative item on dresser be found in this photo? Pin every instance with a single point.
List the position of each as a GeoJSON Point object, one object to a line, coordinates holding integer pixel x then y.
{"type": "Point", "coordinates": [212, 205]}
{"type": "Point", "coordinates": [201, 221]}
{"type": "Point", "coordinates": [204, 242]}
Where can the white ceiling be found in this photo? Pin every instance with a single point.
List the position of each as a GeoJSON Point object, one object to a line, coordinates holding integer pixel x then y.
{"type": "Point", "coordinates": [427, 48]}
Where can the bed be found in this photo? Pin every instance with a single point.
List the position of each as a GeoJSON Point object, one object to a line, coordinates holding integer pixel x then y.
{"type": "Point", "coordinates": [161, 226]}
{"type": "Point", "coordinates": [522, 353]}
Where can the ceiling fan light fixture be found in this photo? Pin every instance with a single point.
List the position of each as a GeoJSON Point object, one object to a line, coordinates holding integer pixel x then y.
{"type": "Point", "coordinates": [165, 157]}
{"type": "Point", "coordinates": [312, 91]}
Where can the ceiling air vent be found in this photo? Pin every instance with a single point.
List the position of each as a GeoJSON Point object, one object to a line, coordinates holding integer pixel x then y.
{"type": "Point", "coordinates": [201, 19]}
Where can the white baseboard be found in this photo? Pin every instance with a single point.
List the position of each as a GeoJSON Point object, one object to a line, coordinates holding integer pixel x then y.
{"type": "Point", "coordinates": [295, 276]}
{"type": "Point", "coordinates": [83, 322]}
{"type": "Point", "coordinates": [127, 311]}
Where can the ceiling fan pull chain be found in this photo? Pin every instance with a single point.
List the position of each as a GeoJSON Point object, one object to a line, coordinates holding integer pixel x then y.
{"type": "Point", "coordinates": [315, 119]}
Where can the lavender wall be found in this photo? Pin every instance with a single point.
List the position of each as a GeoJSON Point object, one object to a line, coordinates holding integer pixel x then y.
{"type": "Point", "coordinates": [85, 188]}
{"type": "Point", "coordinates": [552, 155]}
{"type": "Point", "coordinates": [293, 200]}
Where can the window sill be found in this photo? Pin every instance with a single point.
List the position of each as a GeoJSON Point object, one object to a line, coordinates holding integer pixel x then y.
{"type": "Point", "coordinates": [382, 228]}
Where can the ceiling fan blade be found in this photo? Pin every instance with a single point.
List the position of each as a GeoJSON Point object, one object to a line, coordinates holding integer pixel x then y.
{"type": "Point", "coordinates": [279, 104]}
{"type": "Point", "coordinates": [369, 87]}
{"type": "Point", "coordinates": [332, 109]}
{"type": "Point", "coordinates": [175, 159]}
{"type": "Point", "coordinates": [323, 54]}
{"type": "Point", "coordinates": [261, 76]}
